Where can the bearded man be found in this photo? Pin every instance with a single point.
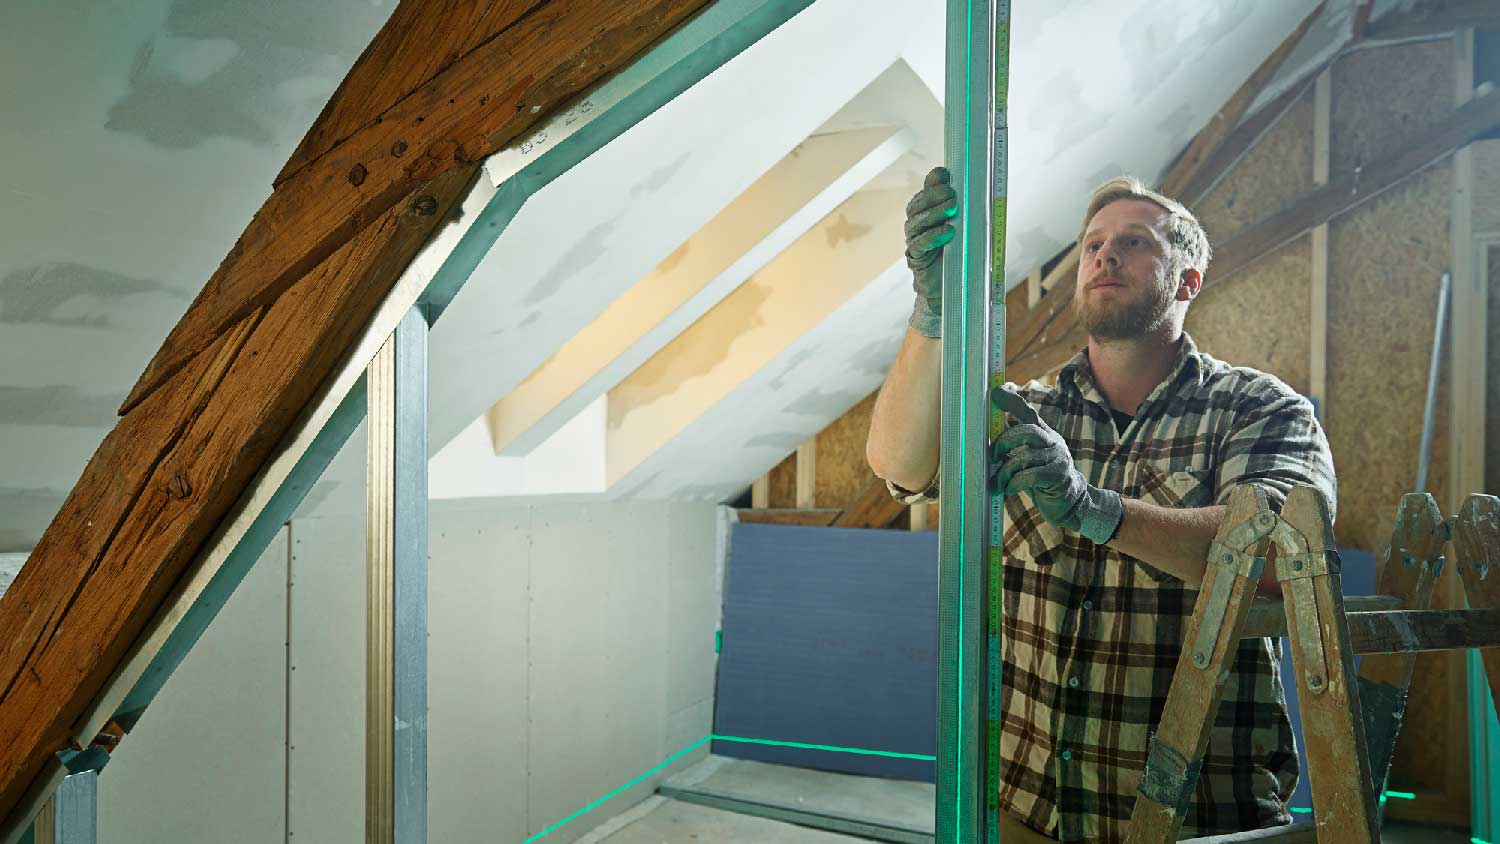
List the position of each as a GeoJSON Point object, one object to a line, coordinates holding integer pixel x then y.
{"type": "Point", "coordinates": [1112, 497]}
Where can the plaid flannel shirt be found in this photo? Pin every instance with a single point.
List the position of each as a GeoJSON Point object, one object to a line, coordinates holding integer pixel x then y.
{"type": "Point", "coordinates": [1091, 636]}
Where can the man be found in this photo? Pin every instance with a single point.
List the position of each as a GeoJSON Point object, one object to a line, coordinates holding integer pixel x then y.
{"type": "Point", "coordinates": [1111, 501]}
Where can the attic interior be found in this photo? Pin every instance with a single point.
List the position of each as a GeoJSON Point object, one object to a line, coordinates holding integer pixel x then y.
{"type": "Point", "coordinates": [592, 549]}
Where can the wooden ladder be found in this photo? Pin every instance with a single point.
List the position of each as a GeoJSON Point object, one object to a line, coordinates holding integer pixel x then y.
{"type": "Point", "coordinates": [1349, 723]}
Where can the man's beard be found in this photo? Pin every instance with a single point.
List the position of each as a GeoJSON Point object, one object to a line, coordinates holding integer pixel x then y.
{"type": "Point", "coordinates": [1126, 320]}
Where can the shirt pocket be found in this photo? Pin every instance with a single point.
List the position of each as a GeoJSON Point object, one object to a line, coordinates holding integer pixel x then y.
{"type": "Point", "coordinates": [1180, 488]}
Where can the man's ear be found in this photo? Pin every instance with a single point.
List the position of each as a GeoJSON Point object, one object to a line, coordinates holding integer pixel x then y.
{"type": "Point", "coordinates": [1189, 283]}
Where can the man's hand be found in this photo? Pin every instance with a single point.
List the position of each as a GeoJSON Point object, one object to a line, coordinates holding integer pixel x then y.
{"type": "Point", "coordinates": [1032, 457]}
{"type": "Point", "coordinates": [927, 231]}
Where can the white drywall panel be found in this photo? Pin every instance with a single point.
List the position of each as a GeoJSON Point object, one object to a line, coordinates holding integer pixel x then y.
{"type": "Point", "coordinates": [325, 768]}
{"type": "Point", "coordinates": [571, 651]}
{"type": "Point", "coordinates": [206, 763]}
{"type": "Point", "coordinates": [478, 587]}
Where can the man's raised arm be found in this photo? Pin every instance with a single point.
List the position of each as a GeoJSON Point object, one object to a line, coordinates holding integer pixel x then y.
{"type": "Point", "coordinates": [906, 431]}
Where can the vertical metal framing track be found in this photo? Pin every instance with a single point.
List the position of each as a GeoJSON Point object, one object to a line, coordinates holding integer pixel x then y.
{"type": "Point", "coordinates": [396, 624]}
{"type": "Point", "coordinates": [71, 816]}
{"type": "Point", "coordinates": [969, 603]}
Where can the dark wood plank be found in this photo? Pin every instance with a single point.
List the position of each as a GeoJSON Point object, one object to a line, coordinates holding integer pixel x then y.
{"type": "Point", "coordinates": [1468, 123]}
{"type": "Point", "coordinates": [419, 41]}
{"type": "Point", "coordinates": [873, 508]}
{"type": "Point", "coordinates": [1403, 632]}
{"type": "Point", "coordinates": [820, 517]}
{"type": "Point", "coordinates": [476, 106]}
{"type": "Point", "coordinates": [1268, 615]}
{"type": "Point", "coordinates": [168, 474]}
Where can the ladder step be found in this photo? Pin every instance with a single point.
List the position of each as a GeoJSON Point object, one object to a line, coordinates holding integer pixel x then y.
{"type": "Point", "coordinates": [1268, 615]}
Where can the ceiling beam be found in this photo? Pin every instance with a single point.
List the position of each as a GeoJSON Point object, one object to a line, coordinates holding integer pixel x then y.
{"type": "Point", "coordinates": [466, 112]}
{"type": "Point", "coordinates": [810, 280]}
{"type": "Point", "coordinates": [780, 207]}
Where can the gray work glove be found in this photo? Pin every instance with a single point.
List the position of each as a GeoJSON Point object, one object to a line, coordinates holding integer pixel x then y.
{"type": "Point", "coordinates": [1032, 457]}
{"type": "Point", "coordinates": [927, 230]}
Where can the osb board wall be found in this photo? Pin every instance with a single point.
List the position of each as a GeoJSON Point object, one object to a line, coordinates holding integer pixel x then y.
{"type": "Point", "coordinates": [1260, 317]}
{"type": "Point", "coordinates": [1486, 219]}
{"type": "Point", "coordinates": [1385, 262]}
{"type": "Point", "coordinates": [842, 470]}
{"type": "Point", "coordinates": [1269, 177]}
{"type": "Point", "coordinates": [783, 483]}
{"type": "Point", "coordinates": [1381, 97]}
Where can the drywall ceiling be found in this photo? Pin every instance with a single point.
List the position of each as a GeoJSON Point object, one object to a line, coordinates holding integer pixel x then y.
{"type": "Point", "coordinates": [140, 138]}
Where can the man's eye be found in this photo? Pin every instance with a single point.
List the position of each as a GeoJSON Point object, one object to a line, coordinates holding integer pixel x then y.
{"type": "Point", "coordinates": [1133, 242]}
{"type": "Point", "coordinates": [1094, 247]}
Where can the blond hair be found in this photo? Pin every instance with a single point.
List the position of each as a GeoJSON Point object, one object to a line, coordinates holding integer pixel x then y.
{"type": "Point", "coordinates": [1185, 235]}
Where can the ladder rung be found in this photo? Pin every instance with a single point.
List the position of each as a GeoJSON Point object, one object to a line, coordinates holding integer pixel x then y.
{"type": "Point", "coordinates": [1375, 627]}
{"type": "Point", "coordinates": [1268, 615]}
{"type": "Point", "coordinates": [1408, 631]}
{"type": "Point", "coordinates": [1303, 832]}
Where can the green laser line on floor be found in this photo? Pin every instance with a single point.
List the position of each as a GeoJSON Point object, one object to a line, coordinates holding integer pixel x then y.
{"type": "Point", "coordinates": [716, 737]}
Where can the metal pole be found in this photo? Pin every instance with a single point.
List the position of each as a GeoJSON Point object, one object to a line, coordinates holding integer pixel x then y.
{"type": "Point", "coordinates": [72, 815]}
{"type": "Point", "coordinates": [1424, 455]}
{"type": "Point", "coordinates": [963, 640]}
{"type": "Point", "coordinates": [396, 703]}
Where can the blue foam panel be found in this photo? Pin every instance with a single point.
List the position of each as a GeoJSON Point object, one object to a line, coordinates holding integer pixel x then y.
{"type": "Point", "coordinates": [830, 638]}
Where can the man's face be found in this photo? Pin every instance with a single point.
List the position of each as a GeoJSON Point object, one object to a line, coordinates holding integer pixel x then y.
{"type": "Point", "coordinates": [1126, 282]}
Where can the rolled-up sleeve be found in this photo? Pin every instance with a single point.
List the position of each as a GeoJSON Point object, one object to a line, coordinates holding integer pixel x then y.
{"type": "Point", "coordinates": [906, 496]}
{"type": "Point", "coordinates": [1275, 442]}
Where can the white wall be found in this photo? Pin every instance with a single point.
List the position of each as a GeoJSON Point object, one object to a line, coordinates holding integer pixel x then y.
{"type": "Point", "coordinates": [572, 649]}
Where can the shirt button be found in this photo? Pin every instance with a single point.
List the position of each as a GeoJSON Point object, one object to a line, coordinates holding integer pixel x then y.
{"type": "Point", "coordinates": [1072, 682]}
{"type": "Point", "coordinates": [1067, 754]}
{"type": "Point", "coordinates": [1088, 605]}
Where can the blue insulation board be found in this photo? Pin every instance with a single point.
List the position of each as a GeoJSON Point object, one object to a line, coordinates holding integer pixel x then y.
{"type": "Point", "coordinates": [830, 638]}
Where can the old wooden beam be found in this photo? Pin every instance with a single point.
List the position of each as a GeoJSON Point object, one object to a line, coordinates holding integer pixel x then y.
{"type": "Point", "coordinates": [1267, 616]}
{"type": "Point", "coordinates": [1414, 631]}
{"type": "Point", "coordinates": [471, 109]}
{"type": "Point", "coordinates": [418, 41]}
{"type": "Point", "coordinates": [167, 474]}
{"type": "Point", "coordinates": [873, 508]}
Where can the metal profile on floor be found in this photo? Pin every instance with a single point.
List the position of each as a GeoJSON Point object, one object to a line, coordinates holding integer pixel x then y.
{"type": "Point", "coordinates": [832, 822]}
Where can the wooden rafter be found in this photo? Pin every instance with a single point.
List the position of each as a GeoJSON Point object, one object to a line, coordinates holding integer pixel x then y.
{"type": "Point", "coordinates": [379, 172]}
{"type": "Point", "coordinates": [464, 113]}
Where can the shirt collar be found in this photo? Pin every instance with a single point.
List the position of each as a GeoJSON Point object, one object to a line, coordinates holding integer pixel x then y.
{"type": "Point", "coordinates": [1187, 366]}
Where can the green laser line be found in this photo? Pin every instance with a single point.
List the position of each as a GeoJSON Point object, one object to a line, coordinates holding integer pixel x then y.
{"type": "Point", "coordinates": [963, 415]}
{"type": "Point", "coordinates": [716, 737]}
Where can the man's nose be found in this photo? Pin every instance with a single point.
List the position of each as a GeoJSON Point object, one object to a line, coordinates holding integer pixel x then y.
{"type": "Point", "coordinates": [1106, 256]}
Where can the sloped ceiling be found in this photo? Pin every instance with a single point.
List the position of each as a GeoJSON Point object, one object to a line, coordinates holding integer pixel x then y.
{"type": "Point", "coordinates": [139, 139]}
